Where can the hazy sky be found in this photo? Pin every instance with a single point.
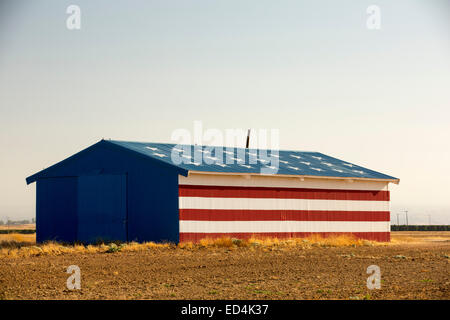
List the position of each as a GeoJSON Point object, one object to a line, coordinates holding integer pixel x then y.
{"type": "Point", "coordinates": [138, 70]}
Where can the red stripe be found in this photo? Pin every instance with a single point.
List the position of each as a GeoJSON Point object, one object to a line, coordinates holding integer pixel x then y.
{"type": "Point", "coordinates": [281, 215]}
{"type": "Point", "coordinates": [195, 237]}
{"type": "Point", "coordinates": [280, 193]}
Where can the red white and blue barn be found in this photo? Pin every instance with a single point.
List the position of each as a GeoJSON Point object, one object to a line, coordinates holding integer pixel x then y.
{"type": "Point", "coordinates": [134, 191]}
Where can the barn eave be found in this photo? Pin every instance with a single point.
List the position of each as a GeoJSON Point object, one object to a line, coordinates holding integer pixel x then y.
{"type": "Point", "coordinates": [347, 179]}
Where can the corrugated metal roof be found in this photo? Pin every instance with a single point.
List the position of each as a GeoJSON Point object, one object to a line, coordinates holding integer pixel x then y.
{"type": "Point", "coordinates": [251, 161]}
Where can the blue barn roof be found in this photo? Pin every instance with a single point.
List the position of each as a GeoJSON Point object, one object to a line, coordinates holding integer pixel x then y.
{"type": "Point", "coordinates": [241, 160]}
{"type": "Point", "coordinates": [300, 163]}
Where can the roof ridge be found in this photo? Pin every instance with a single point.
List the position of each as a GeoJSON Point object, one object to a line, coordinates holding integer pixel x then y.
{"type": "Point", "coordinates": [211, 146]}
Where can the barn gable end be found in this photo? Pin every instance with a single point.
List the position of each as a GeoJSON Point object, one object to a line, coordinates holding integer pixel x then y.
{"type": "Point", "coordinates": [70, 193]}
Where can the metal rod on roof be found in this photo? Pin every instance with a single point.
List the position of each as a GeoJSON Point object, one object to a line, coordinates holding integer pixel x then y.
{"type": "Point", "coordinates": [248, 139]}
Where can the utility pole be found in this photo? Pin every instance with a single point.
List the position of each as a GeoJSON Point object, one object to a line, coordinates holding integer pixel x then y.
{"type": "Point", "coordinates": [398, 221]}
{"type": "Point", "coordinates": [406, 213]}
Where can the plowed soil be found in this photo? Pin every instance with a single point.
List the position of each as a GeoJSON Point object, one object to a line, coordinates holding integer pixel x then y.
{"type": "Point", "coordinates": [408, 271]}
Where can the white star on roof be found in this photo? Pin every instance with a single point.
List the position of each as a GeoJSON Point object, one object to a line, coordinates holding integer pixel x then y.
{"type": "Point", "coordinates": [358, 171]}
{"type": "Point", "coordinates": [294, 156]}
{"type": "Point", "coordinates": [159, 155]}
{"type": "Point", "coordinates": [327, 164]}
{"type": "Point", "coordinates": [283, 161]}
{"type": "Point", "coordinates": [318, 158]}
{"type": "Point", "coordinates": [151, 148]}
{"type": "Point", "coordinates": [307, 163]}
{"type": "Point", "coordinates": [317, 169]}
{"type": "Point", "coordinates": [348, 164]}
{"type": "Point", "coordinates": [245, 165]}
{"type": "Point", "coordinates": [221, 164]}
{"type": "Point", "coordinates": [338, 170]}
{"type": "Point", "coordinates": [293, 168]}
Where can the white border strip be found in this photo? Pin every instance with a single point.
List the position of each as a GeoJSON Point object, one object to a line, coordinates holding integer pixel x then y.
{"type": "Point", "coordinates": [281, 204]}
{"type": "Point", "coordinates": [282, 226]}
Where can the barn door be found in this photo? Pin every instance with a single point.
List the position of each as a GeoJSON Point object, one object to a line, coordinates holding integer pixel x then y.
{"type": "Point", "coordinates": [102, 208]}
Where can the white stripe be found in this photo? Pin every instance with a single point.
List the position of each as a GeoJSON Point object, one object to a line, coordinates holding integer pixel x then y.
{"type": "Point", "coordinates": [281, 204]}
{"type": "Point", "coordinates": [282, 226]}
{"type": "Point", "coordinates": [278, 182]}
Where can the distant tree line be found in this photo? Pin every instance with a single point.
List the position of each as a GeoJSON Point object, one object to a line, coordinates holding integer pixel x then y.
{"type": "Point", "coordinates": [420, 228]}
{"type": "Point", "coordinates": [16, 222]}
{"type": "Point", "coordinates": [22, 231]}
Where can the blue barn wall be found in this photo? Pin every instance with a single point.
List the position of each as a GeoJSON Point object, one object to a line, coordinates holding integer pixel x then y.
{"type": "Point", "coordinates": [102, 210]}
{"type": "Point", "coordinates": [152, 194]}
{"type": "Point", "coordinates": [56, 209]}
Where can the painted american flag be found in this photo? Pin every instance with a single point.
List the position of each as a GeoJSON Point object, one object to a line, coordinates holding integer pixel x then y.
{"type": "Point", "coordinates": [236, 207]}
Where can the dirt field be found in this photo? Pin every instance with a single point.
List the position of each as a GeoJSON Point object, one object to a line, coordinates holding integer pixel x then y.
{"type": "Point", "coordinates": [415, 266]}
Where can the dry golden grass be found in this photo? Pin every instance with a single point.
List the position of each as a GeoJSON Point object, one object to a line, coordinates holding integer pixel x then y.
{"type": "Point", "coordinates": [18, 237]}
{"type": "Point", "coordinates": [11, 249]}
{"type": "Point", "coordinates": [19, 227]}
{"type": "Point", "coordinates": [315, 240]}
{"type": "Point", "coordinates": [23, 245]}
{"type": "Point", "coordinates": [416, 237]}
{"type": "Point", "coordinates": [333, 241]}
{"type": "Point", "coordinates": [219, 243]}
{"type": "Point", "coordinates": [54, 248]}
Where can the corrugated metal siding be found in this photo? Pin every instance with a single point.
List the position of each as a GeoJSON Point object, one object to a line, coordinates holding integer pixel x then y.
{"type": "Point", "coordinates": [241, 211]}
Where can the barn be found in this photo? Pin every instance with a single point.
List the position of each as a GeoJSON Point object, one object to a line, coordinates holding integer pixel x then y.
{"type": "Point", "coordinates": [135, 191]}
